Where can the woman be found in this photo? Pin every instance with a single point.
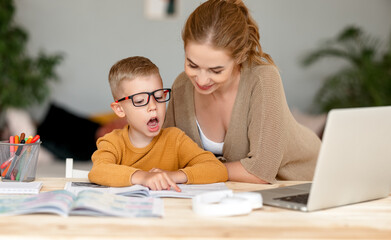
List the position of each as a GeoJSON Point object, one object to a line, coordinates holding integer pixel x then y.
{"type": "Point", "coordinates": [230, 99]}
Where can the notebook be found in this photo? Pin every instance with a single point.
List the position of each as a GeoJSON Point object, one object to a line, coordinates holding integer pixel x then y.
{"type": "Point", "coordinates": [354, 163]}
{"type": "Point", "coordinates": [20, 187]}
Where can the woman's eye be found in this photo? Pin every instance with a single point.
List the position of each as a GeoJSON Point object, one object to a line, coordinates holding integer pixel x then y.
{"type": "Point", "coordinates": [192, 66]}
{"type": "Point", "coordinates": [217, 72]}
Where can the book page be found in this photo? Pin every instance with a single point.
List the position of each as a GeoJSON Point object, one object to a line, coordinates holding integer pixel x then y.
{"type": "Point", "coordinates": [188, 190]}
{"type": "Point", "coordinates": [132, 191]}
{"type": "Point", "coordinates": [90, 203]}
{"type": "Point", "coordinates": [56, 202]}
{"type": "Point", "coordinates": [95, 203]}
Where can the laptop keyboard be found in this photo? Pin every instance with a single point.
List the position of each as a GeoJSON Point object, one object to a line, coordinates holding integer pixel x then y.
{"type": "Point", "coordinates": [301, 198]}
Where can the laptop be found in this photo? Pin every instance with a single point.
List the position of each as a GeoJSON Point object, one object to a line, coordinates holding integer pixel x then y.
{"type": "Point", "coordinates": [354, 163]}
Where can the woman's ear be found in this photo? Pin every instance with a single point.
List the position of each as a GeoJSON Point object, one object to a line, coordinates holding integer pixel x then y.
{"type": "Point", "coordinates": [118, 110]}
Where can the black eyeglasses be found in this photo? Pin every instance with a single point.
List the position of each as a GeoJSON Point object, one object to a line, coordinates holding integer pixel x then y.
{"type": "Point", "coordinates": [142, 99]}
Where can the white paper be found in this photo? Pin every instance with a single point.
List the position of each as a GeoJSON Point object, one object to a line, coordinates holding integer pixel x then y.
{"type": "Point", "coordinates": [187, 190]}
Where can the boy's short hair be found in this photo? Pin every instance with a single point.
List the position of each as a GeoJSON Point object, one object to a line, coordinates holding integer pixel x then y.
{"type": "Point", "coordinates": [130, 68]}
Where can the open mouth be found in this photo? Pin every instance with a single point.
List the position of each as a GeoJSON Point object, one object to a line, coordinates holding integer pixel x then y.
{"type": "Point", "coordinates": [153, 124]}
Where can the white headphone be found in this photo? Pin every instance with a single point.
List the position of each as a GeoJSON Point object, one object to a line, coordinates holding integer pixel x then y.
{"type": "Point", "coordinates": [226, 203]}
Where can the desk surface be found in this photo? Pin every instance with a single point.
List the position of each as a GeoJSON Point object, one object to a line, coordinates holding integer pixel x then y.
{"type": "Point", "coordinates": [368, 220]}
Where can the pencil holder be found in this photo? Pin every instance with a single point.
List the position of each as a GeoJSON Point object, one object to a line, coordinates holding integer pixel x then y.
{"type": "Point", "coordinates": [18, 162]}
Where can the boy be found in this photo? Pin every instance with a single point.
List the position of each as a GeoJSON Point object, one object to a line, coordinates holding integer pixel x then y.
{"type": "Point", "coordinates": [142, 152]}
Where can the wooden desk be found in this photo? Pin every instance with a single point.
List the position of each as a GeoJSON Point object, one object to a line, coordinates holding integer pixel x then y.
{"type": "Point", "coordinates": [369, 220]}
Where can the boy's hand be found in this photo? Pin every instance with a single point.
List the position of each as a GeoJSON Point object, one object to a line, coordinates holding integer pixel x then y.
{"type": "Point", "coordinates": [156, 180]}
{"type": "Point", "coordinates": [176, 176]}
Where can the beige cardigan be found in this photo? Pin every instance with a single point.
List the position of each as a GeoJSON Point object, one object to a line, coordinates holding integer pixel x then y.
{"type": "Point", "coordinates": [262, 132]}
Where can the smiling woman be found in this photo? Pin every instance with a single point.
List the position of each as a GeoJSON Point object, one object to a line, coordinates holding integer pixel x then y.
{"type": "Point", "coordinates": [230, 99]}
{"type": "Point", "coordinates": [209, 68]}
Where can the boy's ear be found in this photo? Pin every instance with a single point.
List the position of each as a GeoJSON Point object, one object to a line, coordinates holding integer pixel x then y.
{"type": "Point", "coordinates": [119, 111]}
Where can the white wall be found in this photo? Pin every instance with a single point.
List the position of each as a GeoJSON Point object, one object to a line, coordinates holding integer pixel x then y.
{"type": "Point", "coordinates": [94, 34]}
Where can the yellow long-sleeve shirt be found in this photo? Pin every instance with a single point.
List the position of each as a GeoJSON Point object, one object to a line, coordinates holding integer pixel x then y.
{"type": "Point", "coordinates": [116, 159]}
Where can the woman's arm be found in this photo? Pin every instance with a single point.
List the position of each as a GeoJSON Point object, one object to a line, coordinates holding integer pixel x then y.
{"type": "Point", "coordinates": [258, 140]}
{"type": "Point", "coordinates": [200, 166]}
{"type": "Point", "coordinates": [237, 173]}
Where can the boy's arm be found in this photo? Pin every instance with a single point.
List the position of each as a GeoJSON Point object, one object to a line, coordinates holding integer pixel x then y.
{"type": "Point", "coordinates": [200, 166]}
{"type": "Point", "coordinates": [106, 169]}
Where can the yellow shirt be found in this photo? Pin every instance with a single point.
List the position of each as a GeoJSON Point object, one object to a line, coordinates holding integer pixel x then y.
{"type": "Point", "coordinates": [116, 159]}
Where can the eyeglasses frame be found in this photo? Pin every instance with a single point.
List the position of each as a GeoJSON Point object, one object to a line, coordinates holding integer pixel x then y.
{"type": "Point", "coordinates": [165, 90]}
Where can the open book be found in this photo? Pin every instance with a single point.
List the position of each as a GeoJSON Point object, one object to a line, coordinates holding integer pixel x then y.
{"type": "Point", "coordinates": [91, 203]}
{"type": "Point", "coordinates": [187, 190]}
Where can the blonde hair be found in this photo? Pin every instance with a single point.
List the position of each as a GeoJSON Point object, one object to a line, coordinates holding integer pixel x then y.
{"type": "Point", "coordinates": [128, 69]}
{"type": "Point", "coordinates": [226, 24]}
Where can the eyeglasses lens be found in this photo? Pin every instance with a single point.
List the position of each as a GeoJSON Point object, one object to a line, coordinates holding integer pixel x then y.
{"type": "Point", "coordinates": [142, 99]}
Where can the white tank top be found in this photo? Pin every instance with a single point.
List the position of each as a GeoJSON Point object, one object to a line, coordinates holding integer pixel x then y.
{"type": "Point", "coordinates": [209, 145]}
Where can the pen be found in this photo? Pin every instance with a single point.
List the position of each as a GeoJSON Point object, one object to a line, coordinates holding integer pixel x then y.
{"type": "Point", "coordinates": [21, 166]}
{"type": "Point", "coordinates": [22, 137]}
{"type": "Point", "coordinates": [7, 162]}
{"type": "Point", "coordinates": [12, 147]}
{"type": "Point", "coordinates": [19, 163]}
{"type": "Point", "coordinates": [35, 138]}
{"type": "Point", "coordinates": [12, 150]}
{"type": "Point", "coordinates": [16, 141]}
{"type": "Point", "coordinates": [6, 170]}
{"type": "Point", "coordinates": [14, 159]}
{"type": "Point", "coordinates": [25, 167]}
